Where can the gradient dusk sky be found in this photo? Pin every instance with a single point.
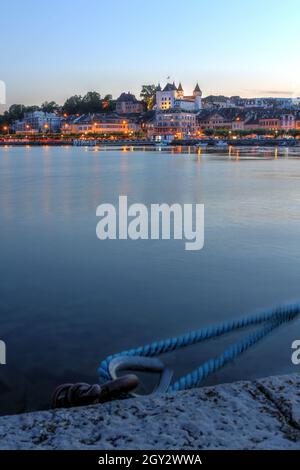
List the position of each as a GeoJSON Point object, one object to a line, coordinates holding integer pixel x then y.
{"type": "Point", "coordinates": [51, 50]}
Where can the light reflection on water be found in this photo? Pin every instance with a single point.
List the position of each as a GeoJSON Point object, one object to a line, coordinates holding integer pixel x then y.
{"type": "Point", "coordinates": [68, 300]}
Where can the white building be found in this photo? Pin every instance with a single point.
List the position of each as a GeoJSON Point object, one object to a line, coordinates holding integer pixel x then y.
{"type": "Point", "coordinates": [172, 98]}
{"type": "Point", "coordinates": [38, 121]}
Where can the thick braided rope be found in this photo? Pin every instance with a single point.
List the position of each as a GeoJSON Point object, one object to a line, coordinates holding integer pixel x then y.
{"type": "Point", "coordinates": [272, 319]}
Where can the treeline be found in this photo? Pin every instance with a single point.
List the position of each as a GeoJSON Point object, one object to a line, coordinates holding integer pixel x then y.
{"type": "Point", "coordinates": [77, 104]}
{"type": "Point", "coordinates": [90, 103]}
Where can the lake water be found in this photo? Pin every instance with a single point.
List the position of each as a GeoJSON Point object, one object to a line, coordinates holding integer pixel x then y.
{"type": "Point", "coordinates": [67, 299]}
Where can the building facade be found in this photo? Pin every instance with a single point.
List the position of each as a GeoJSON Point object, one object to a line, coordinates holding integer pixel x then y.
{"type": "Point", "coordinates": [128, 104]}
{"type": "Point", "coordinates": [38, 122]}
{"type": "Point", "coordinates": [171, 98]}
{"type": "Point", "coordinates": [221, 119]}
{"type": "Point", "coordinates": [269, 123]}
{"type": "Point", "coordinates": [248, 119]}
{"type": "Point", "coordinates": [176, 123]}
{"type": "Point", "coordinates": [288, 121]}
{"type": "Point", "coordinates": [105, 124]}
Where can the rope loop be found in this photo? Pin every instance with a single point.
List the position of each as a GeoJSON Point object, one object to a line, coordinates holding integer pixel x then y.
{"type": "Point", "coordinates": [269, 319]}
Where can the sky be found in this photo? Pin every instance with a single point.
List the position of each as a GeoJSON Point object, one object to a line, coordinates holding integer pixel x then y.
{"type": "Point", "coordinates": [52, 50]}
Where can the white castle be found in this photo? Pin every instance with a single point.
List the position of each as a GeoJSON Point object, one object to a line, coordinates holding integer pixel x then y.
{"type": "Point", "coordinates": [171, 98]}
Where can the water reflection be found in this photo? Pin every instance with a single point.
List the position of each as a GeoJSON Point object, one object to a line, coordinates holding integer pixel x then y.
{"type": "Point", "coordinates": [54, 166]}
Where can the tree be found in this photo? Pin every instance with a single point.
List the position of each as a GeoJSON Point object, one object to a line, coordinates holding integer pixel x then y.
{"type": "Point", "coordinates": [91, 102]}
{"type": "Point", "coordinates": [16, 111]}
{"type": "Point", "coordinates": [73, 105]}
{"type": "Point", "coordinates": [50, 107]}
{"type": "Point", "coordinates": [108, 105]}
{"type": "Point", "coordinates": [107, 98]}
{"type": "Point", "coordinates": [32, 109]}
{"type": "Point", "coordinates": [148, 95]}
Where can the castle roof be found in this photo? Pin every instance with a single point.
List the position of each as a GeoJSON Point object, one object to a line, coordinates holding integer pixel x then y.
{"type": "Point", "coordinates": [197, 88]}
{"type": "Point", "coordinates": [170, 87]}
{"type": "Point", "coordinates": [180, 87]}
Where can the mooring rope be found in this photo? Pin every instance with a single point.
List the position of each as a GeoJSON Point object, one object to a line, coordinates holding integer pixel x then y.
{"type": "Point", "coordinates": [271, 319]}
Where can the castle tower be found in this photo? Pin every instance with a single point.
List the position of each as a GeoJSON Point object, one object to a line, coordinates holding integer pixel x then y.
{"type": "Point", "coordinates": [165, 99]}
{"type": "Point", "coordinates": [180, 92]}
{"type": "Point", "coordinates": [197, 93]}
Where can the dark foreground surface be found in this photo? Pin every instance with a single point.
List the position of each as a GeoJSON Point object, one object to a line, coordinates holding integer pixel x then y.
{"type": "Point", "coordinates": [260, 415]}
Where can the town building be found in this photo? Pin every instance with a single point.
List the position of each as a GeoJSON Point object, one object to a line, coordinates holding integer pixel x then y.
{"type": "Point", "coordinates": [37, 122]}
{"type": "Point", "coordinates": [277, 120]}
{"type": "Point", "coordinates": [105, 124]}
{"type": "Point", "coordinates": [230, 118]}
{"type": "Point", "coordinates": [217, 102]}
{"type": "Point", "coordinates": [236, 119]}
{"type": "Point", "coordinates": [224, 102]}
{"type": "Point", "coordinates": [175, 123]}
{"type": "Point", "coordinates": [128, 104]}
{"type": "Point", "coordinates": [288, 121]}
{"type": "Point", "coordinates": [176, 112]}
{"type": "Point", "coordinates": [269, 123]}
{"type": "Point", "coordinates": [171, 98]}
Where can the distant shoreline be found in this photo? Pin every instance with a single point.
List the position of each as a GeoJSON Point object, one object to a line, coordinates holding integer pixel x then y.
{"type": "Point", "coordinates": [282, 143]}
{"type": "Point", "coordinates": [34, 144]}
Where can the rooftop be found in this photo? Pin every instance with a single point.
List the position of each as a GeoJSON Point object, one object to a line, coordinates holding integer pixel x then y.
{"type": "Point", "coordinates": [127, 97]}
{"type": "Point", "coordinates": [170, 87]}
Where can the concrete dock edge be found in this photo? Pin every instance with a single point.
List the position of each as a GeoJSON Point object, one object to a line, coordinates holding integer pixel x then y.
{"type": "Point", "coordinates": [264, 414]}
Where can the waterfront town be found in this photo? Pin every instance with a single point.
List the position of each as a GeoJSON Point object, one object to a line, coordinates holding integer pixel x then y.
{"type": "Point", "coordinates": [161, 114]}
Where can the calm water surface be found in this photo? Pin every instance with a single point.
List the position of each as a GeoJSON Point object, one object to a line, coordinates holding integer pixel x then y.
{"type": "Point", "coordinates": [67, 300]}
